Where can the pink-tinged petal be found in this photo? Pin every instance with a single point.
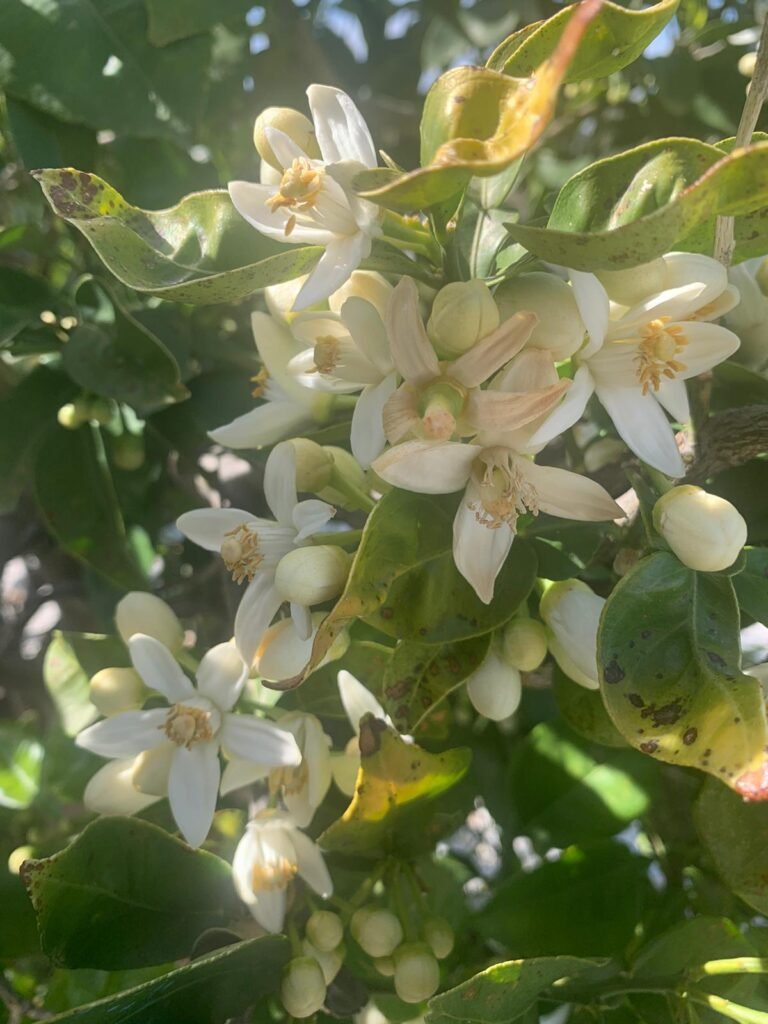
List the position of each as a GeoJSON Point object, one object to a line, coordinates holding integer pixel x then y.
{"type": "Point", "coordinates": [708, 345]}
{"type": "Point", "coordinates": [342, 133]}
{"type": "Point", "coordinates": [486, 356]}
{"type": "Point", "coordinates": [193, 786]}
{"type": "Point", "coordinates": [250, 201]}
{"type": "Point", "coordinates": [158, 668]}
{"type": "Point", "coordinates": [643, 427]}
{"type": "Point", "coordinates": [368, 332]}
{"type": "Point", "coordinates": [257, 608]}
{"type": "Point", "coordinates": [411, 349]}
{"type": "Point", "coordinates": [357, 700]}
{"type": "Point", "coordinates": [499, 411]}
{"type": "Point", "coordinates": [570, 410]}
{"type": "Point", "coordinates": [265, 425]}
{"type": "Point", "coordinates": [221, 675]}
{"type": "Point", "coordinates": [280, 482]}
{"type": "Point", "coordinates": [239, 772]}
{"type": "Point", "coordinates": [310, 517]}
{"type": "Point", "coordinates": [479, 551]}
{"type": "Point", "coordinates": [428, 467]}
{"type": "Point", "coordinates": [207, 527]}
{"type": "Point", "coordinates": [594, 308]}
{"type": "Point", "coordinates": [259, 741]}
{"type": "Point", "coordinates": [125, 735]}
{"type": "Point", "coordinates": [111, 791]}
{"type": "Point", "coordinates": [400, 413]}
{"type": "Point", "coordinates": [342, 255]}
{"type": "Point", "coordinates": [311, 864]}
{"type": "Point", "coordinates": [673, 396]}
{"type": "Point", "coordinates": [302, 620]}
{"type": "Point", "coordinates": [570, 495]}
{"type": "Point", "coordinates": [367, 437]}
{"type": "Point", "coordinates": [531, 370]}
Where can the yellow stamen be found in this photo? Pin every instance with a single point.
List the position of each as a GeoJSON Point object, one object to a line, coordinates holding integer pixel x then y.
{"type": "Point", "coordinates": [260, 383]}
{"type": "Point", "coordinates": [290, 780]}
{"type": "Point", "coordinates": [505, 494]}
{"type": "Point", "coordinates": [240, 552]}
{"type": "Point", "coordinates": [656, 353]}
{"type": "Point", "coordinates": [326, 354]}
{"type": "Point", "coordinates": [186, 726]}
{"type": "Point", "coordinates": [276, 874]}
{"type": "Point", "coordinates": [300, 188]}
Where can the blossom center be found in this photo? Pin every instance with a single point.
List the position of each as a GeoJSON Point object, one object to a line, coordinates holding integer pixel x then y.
{"type": "Point", "coordinates": [186, 725]}
{"type": "Point", "coordinates": [272, 870]}
{"type": "Point", "coordinates": [657, 353]}
{"type": "Point", "coordinates": [505, 493]}
{"type": "Point", "coordinates": [440, 406]}
{"type": "Point", "coordinates": [327, 354]}
{"type": "Point", "coordinates": [260, 383]}
{"type": "Point", "coordinates": [300, 188]}
{"type": "Point", "coordinates": [240, 552]}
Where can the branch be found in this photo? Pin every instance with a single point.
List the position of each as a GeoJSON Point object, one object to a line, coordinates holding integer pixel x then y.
{"type": "Point", "coordinates": [730, 439]}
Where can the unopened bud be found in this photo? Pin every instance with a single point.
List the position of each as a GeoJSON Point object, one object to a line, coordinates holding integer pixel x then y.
{"type": "Point", "coordinates": [602, 453]}
{"type": "Point", "coordinates": [439, 936]}
{"type": "Point", "coordinates": [74, 414]}
{"type": "Point", "coordinates": [150, 770]}
{"type": "Point", "coordinates": [145, 613]}
{"type": "Point", "coordinates": [113, 690]}
{"type": "Point", "coordinates": [128, 452]}
{"type": "Point", "coordinates": [325, 930]}
{"type": "Point", "coordinates": [463, 312]}
{"type": "Point", "coordinates": [363, 284]}
{"type": "Point", "coordinates": [747, 62]}
{"type": "Point", "coordinates": [377, 931]}
{"type": "Point", "coordinates": [311, 575]}
{"type": "Point", "coordinates": [571, 612]}
{"type": "Point", "coordinates": [494, 688]}
{"type": "Point", "coordinates": [330, 961]}
{"type": "Point", "coordinates": [706, 532]}
{"type": "Point", "coordinates": [385, 965]}
{"type": "Point", "coordinates": [314, 465]}
{"type": "Point", "coordinates": [417, 974]}
{"type": "Point", "coordinates": [628, 287]}
{"type": "Point", "coordinates": [290, 122]}
{"type": "Point", "coordinates": [303, 987]}
{"type": "Point", "coordinates": [345, 468]}
{"type": "Point", "coordinates": [560, 327]}
{"type": "Point", "coordinates": [524, 644]}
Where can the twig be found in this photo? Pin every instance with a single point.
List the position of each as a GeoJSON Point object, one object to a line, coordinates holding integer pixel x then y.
{"type": "Point", "coordinates": [730, 439]}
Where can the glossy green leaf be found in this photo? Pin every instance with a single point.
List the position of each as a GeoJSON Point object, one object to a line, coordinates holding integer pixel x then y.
{"type": "Point", "coordinates": [126, 894]}
{"type": "Point", "coordinates": [199, 251]}
{"type": "Point", "coordinates": [616, 38]}
{"type": "Point", "coordinates": [70, 661]}
{"type": "Point", "coordinates": [21, 761]}
{"type": "Point", "coordinates": [505, 991]}
{"type": "Point", "coordinates": [692, 943]}
{"type": "Point", "coordinates": [668, 649]}
{"type": "Point", "coordinates": [18, 929]}
{"type": "Point", "coordinates": [585, 711]}
{"type": "Point", "coordinates": [751, 585]}
{"type": "Point", "coordinates": [366, 661]}
{"type": "Point", "coordinates": [23, 297]}
{"type": "Point", "coordinates": [396, 786]}
{"type": "Point", "coordinates": [76, 498]}
{"type": "Point", "coordinates": [629, 209]}
{"type": "Point", "coordinates": [210, 990]}
{"type": "Point", "coordinates": [184, 18]}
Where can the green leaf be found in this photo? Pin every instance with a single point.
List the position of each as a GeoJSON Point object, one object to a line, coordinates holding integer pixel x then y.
{"type": "Point", "coordinates": [23, 297]}
{"type": "Point", "coordinates": [751, 585]}
{"type": "Point", "coordinates": [184, 18]}
{"type": "Point", "coordinates": [616, 38]}
{"type": "Point", "coordinates": [506, 991]}
{"type": "Point", "coordinates": [420, 676]}
{"type": "Point", "coordinates": [76, 498]}
{"type": "Point", "coordinates": [70, 661]}
{"type": "Point", "coordinates": [210, 990]}
{"type": "Point", "coordinates": [585, 712]}
{"type": "Point", "coordinates": [733, 833]}
{"type": "Point", "coordinates": [21, 761]}
{"type": "Point", "coordinates": [691, 943]}
{"type": "Point", "coordinates": [126, 894]}
{"type": "Point", "coordinates": [199, 251]}
{"type": "Point", "coordinates": [18, 930]}
{"type": "Point", "coordinates": [398, 782]}
{"type": "Point", "coordinates": [668, 649]}
{"type": "Point", "coordinates": [629, 209]}
{"type": "Point", "coordinates": [365, 660]}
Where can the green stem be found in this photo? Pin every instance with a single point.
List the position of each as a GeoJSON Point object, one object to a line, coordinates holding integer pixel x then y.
{"type": "Point", "coordinates": [296, 947]}
{"type": "Point", "coordinates": [358, 498]}
{"type": "Point", "coordinates": [399, 882]}
{"type": "Point", "coordinates": [366, 887]}
{"type": "Point", "coordinates": [405, 233]}
{"type": "Point", "coordinates": [341, 538]}
{"type": "Point", "coordinates": [734, 1011]}
{"type": "Point", "coordinates": [733, 965]}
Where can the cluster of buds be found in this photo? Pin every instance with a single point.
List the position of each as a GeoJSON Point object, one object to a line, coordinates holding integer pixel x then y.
{"type": "Point", "coordinates": [306, 978]}
{"type": "Point", "coordinates": [495, 687]}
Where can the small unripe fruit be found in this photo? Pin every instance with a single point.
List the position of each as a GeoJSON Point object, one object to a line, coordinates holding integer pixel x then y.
{"type": "Point", "coordinates": [325, 930]}
{"type": "Point", "coordinates": [494, 689]}
{"type": "Point", "coordinates": [113, 690]}
{"type": "Point", "coordinates": [463, 312]}
{"type": "Point", "coordinates": [290, 122]}
{"type": "Point", "coordinates": [628, 287]}
{"type": "Point", "coordinates": [572, 614]}
{"type": "Point", "coordinates": [706, 532]}
{"type": "Point", "coordinates": [439, 936]}
{"type": "Point", "coordinates": [311, 575]}
{"type": "Point", "coordinates": [417, 974]}
{"type": "Point", "coordinates": [385, 965]}
{"type": "Point", "coordinates": [70, 416]}
{"type": "Point", "coordinates": [560, 328]}
{"type": "Point", "coordinates": [145, 613]}
{"type": "Point", "coordinates": [379, 933]}
{"type": "Point", "coordinates": [363, 284]}
{"type": "Point", "coordinates": [330, 962]}
{"type": "Point", "coordinates": [314, 465]}
{"type": "Point", "coordinates": [524, 644]}
{"type": "Point", "coordinates": [128, 452]}
{"type": "Point", "coordinates": [303, 987]}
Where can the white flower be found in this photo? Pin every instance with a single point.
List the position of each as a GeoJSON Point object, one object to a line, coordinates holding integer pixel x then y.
{"type": "Point", "coordinates": [314, 203]}
{"type": "Point", "coordinates": [637, 360]}
{"type": "Point", "coordinates": [750, 318]}
{"type": "Point", "coordinates": [191, 730]}
{"type": "Point", "coordinates": [501, 482]}
{"type": "Point", "coordinates": [251, 547]}
{"type": "Point", "coordinates": [288, 407]}
{"type": "Point", "coordinates": [571, 611]}
{"type": "Point", "coordinates": [270, 854]}
{"type": "Point", "coordinates": [349, 352]}
{"type": "Point", "coordinates": [112, 791]}
{"type": "Point", "coordinates": [357, 701]}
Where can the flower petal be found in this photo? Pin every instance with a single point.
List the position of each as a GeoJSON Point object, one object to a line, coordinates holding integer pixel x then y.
{"type": "Point", "coordinates": [207, 527]}
{"type": "Point", "coordinates": [708, 345]}
{"type": "Point", "coordinates": [342, 255]}
{"type": "Point", "coordinates": [570, 495]}
{"type": "Point", "coordinates": [126, 734]}
{"type": "Point", "coordinates": [311, 864]}
{"type": "Point", "coordinates": [400, 413]}
{"type": "Point", "coordinates": [594, 308]}
{"type": "Point", "coordinates": [357, 700]}
{"type": "Point", "coordinates": [250, 201]}
{"type": "Point", "coordinates": [280, 482]}
{"type": "Point", "coordinates": [642, 425]}
{"type": "Point", "coordinates": [111, 791]}
{"type": "Point", "coordinates": [282, 653]}
{"type": "Point", "coordinates": [478, 550]}
{"type": "Point", "coordinates": [568, 412]}
{"type": "Point", "coordinates": [310, 516]}
{"type": "Point", "coordinates": [368, 332]}
{"type": "Point", "coordinates": [158, 668]}
{"type": "Point", "coordinates": [193, 786]}
{"type": "Point", "coordinates": [428, 467]}
{"type": "Point", "coordinates": [530, 370]}
{"type": "Point", "coordinates": [221, 675]}
{"type": "Point", "coordinates": [257, 608]}
{"type": "Point", "coordinates": [673, 396]}
{"type": "Point", "coordinates": [486, 356]}
{"type": "Point", "coordinates": [240, 772]}
{"type": "Point", "coordinates": [259, 741]}
{"type": "Point", "coordinates": [493, 411]}
{"type": "Point", "coordinates": [367, 437]}
{"type": "Point", "coordinates": [284, 148]}
{"type": "Point", "coordinates": [302, 620]}
{"type": "Point", "coordinates": [342, 133]}
{"type": "Point", "coordinates": [345, 767]}
{"type": "Point", "coordinates": [412, 351]}
{"type": "Point", "coordinates": [265, 425]}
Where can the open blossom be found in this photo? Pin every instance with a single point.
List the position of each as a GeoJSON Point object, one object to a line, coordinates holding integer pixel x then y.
{"type": "Point", "coordinates": [186, 736]}
{"type": "Point", "coordinates": [500, 480]}
{"type": "Point", "coordinates": [252, 547]}
{"type": "Point", "coordinates": [314, 203]}
{"type": "Point", "coordinates": [267, 859]}
{"type": "Point", "coordinates": [637, 360]}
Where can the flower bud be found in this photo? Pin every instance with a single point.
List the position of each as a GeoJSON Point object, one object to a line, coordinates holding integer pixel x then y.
{"type": "Point", "coordinates": [330, 962]}
{"type": "Point", "coordinates": [347, 468]}
{"type": "Point", "coordinates": [385, 965]}
{"type": "Point", "coordinates": [128, 452]}
{"type": "Point", "coordinates": [325, 930]}
{"type": "Point", "coordinates": [303, 987]}
{"type": "Point", "coordinates": [463, 312]}
{"type": "Point", "coordinates": [363, 284]}
{"type": "Point", "coordinates": [494, 688]}
{"type": "Point", "coordinates": [314, 465]}
{"type": "Point", "coordinates": [74, 414]}
{"type": "Point", "coordinates": [113, 690]}
{"type": "Point", "coordinates": [417, 974]}
{"type": "Point", "coordinates": [560, 328]}
{"type": "Point", "coordinates": [628, 287]}
{"type": "Point", "coordinates": [377, 931]}
{"type": "Point", "coordinates": [312, 575]}
{"type": "Point", "coordinates": [139, 612]}
{"type": "Point", "coordinates": [290, 122]}
{"type": "Point", "coordinates": [150, 770]}
{"type": "Point", "coordinates": [524, 644]}
{"type": "Point", "coordinates": [706, 532]}
{"type": "Point", "coordinates": [571, 612]}
{"type": "Point", "coordinates": [747, 62]}
{"type": "Point", "coordinates": [439, 936]}
{"type": "Point", "coordinates": [602, 453]}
